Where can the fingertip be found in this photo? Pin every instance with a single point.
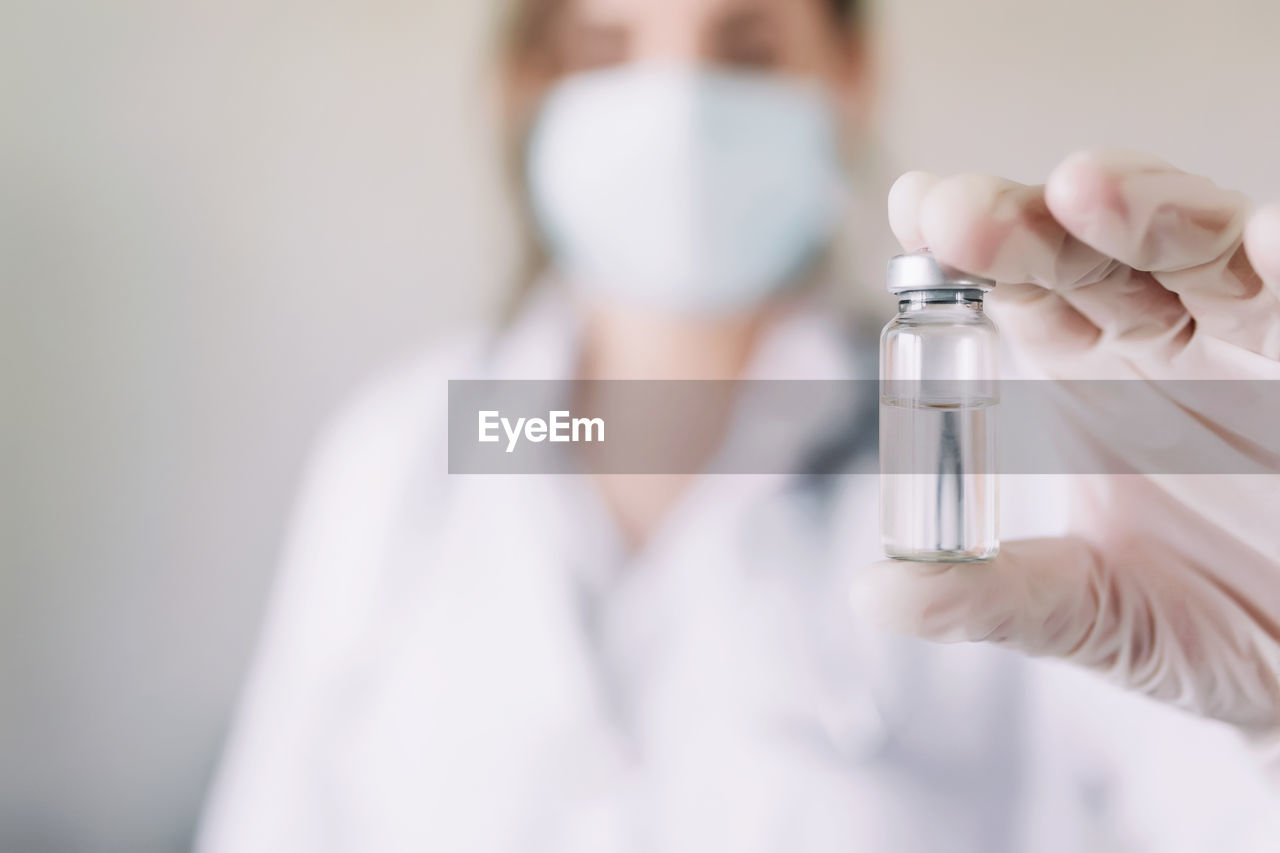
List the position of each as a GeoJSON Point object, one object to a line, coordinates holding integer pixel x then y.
{"type": "Point", "coordinates": [958, 225]}
{"type": "Point", "coordinates": [894, 595]}
{"type": "Point", "coordinates": [905, 196]}
{"type": "Point", "coordinates": [1262, 242]}
{"type": "Point", "coordinates": [1083, 185]}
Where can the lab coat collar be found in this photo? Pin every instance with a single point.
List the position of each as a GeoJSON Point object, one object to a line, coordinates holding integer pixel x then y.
{"type": "Point", "coordinates": [807, 343]}
{"type": "Point", "coordinates": [780, 428]}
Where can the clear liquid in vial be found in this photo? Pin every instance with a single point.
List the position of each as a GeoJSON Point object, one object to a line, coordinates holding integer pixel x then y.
{"type": "Point", "coordinates": [938, 486]}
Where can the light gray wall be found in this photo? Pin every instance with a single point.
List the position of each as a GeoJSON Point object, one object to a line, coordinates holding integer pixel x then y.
{"type": "Point", "coordinates": [216, 216]}
{"type": "Point", "coordinates": [1011, 87]}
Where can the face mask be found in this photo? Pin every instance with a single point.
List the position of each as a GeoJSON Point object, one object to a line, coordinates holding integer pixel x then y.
{"type": "Point", "coordinates": [684, 190]}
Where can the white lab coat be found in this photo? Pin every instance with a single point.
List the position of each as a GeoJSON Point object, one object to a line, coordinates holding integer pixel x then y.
{"type": "Point", "coordinates": [477, 664]}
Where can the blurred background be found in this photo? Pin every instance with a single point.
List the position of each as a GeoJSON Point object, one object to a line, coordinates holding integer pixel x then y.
{"type": "Point", "coordinates": [216, 217]}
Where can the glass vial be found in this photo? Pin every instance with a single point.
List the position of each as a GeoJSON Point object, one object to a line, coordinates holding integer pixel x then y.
{"type": "Point", "coordinates": [939, 366]}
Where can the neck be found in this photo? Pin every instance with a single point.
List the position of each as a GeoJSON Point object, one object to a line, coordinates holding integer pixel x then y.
{"type": "Point", "coordinates": [625, 343]}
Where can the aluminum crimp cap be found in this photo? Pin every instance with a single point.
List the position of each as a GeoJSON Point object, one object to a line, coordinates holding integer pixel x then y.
{"type": "Point", "coordinates": [921, 271]}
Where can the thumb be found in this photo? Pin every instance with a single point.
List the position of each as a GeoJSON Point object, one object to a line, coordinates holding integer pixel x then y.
{"type": "Point", "coordinates": [1041, 596]}
{"type": "Point", "coordinates": [1185, 640]}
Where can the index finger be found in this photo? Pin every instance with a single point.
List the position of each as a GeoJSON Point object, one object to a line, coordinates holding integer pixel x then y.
{"type": "Point", "coordinates": [1065, 292]}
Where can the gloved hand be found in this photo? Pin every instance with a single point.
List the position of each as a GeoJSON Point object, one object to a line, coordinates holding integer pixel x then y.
{"type": "Point", "coordinates": [1119, 267]}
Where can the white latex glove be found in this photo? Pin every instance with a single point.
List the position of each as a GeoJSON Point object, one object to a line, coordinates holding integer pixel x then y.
{"type": "Point", "coordinates": [1119, 267]}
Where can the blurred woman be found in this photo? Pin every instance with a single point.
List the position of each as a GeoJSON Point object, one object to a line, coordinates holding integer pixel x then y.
{"type": "Point", "coordinates": [622, 662]}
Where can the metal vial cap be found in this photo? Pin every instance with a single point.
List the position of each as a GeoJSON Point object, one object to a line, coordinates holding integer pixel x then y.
{"type": "Point", "coordinates": [921, 271]}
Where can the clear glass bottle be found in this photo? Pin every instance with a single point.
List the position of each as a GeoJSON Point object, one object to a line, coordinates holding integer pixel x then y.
{"type": "Point", "coordinates": [939, 371]}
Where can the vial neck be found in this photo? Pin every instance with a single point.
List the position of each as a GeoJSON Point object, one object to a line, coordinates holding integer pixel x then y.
{"type": "Point", "coordinates": [917, 300]}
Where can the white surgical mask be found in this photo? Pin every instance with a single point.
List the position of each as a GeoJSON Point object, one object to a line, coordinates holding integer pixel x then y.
{"type": "Point", "coordinates": [684, 190]}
